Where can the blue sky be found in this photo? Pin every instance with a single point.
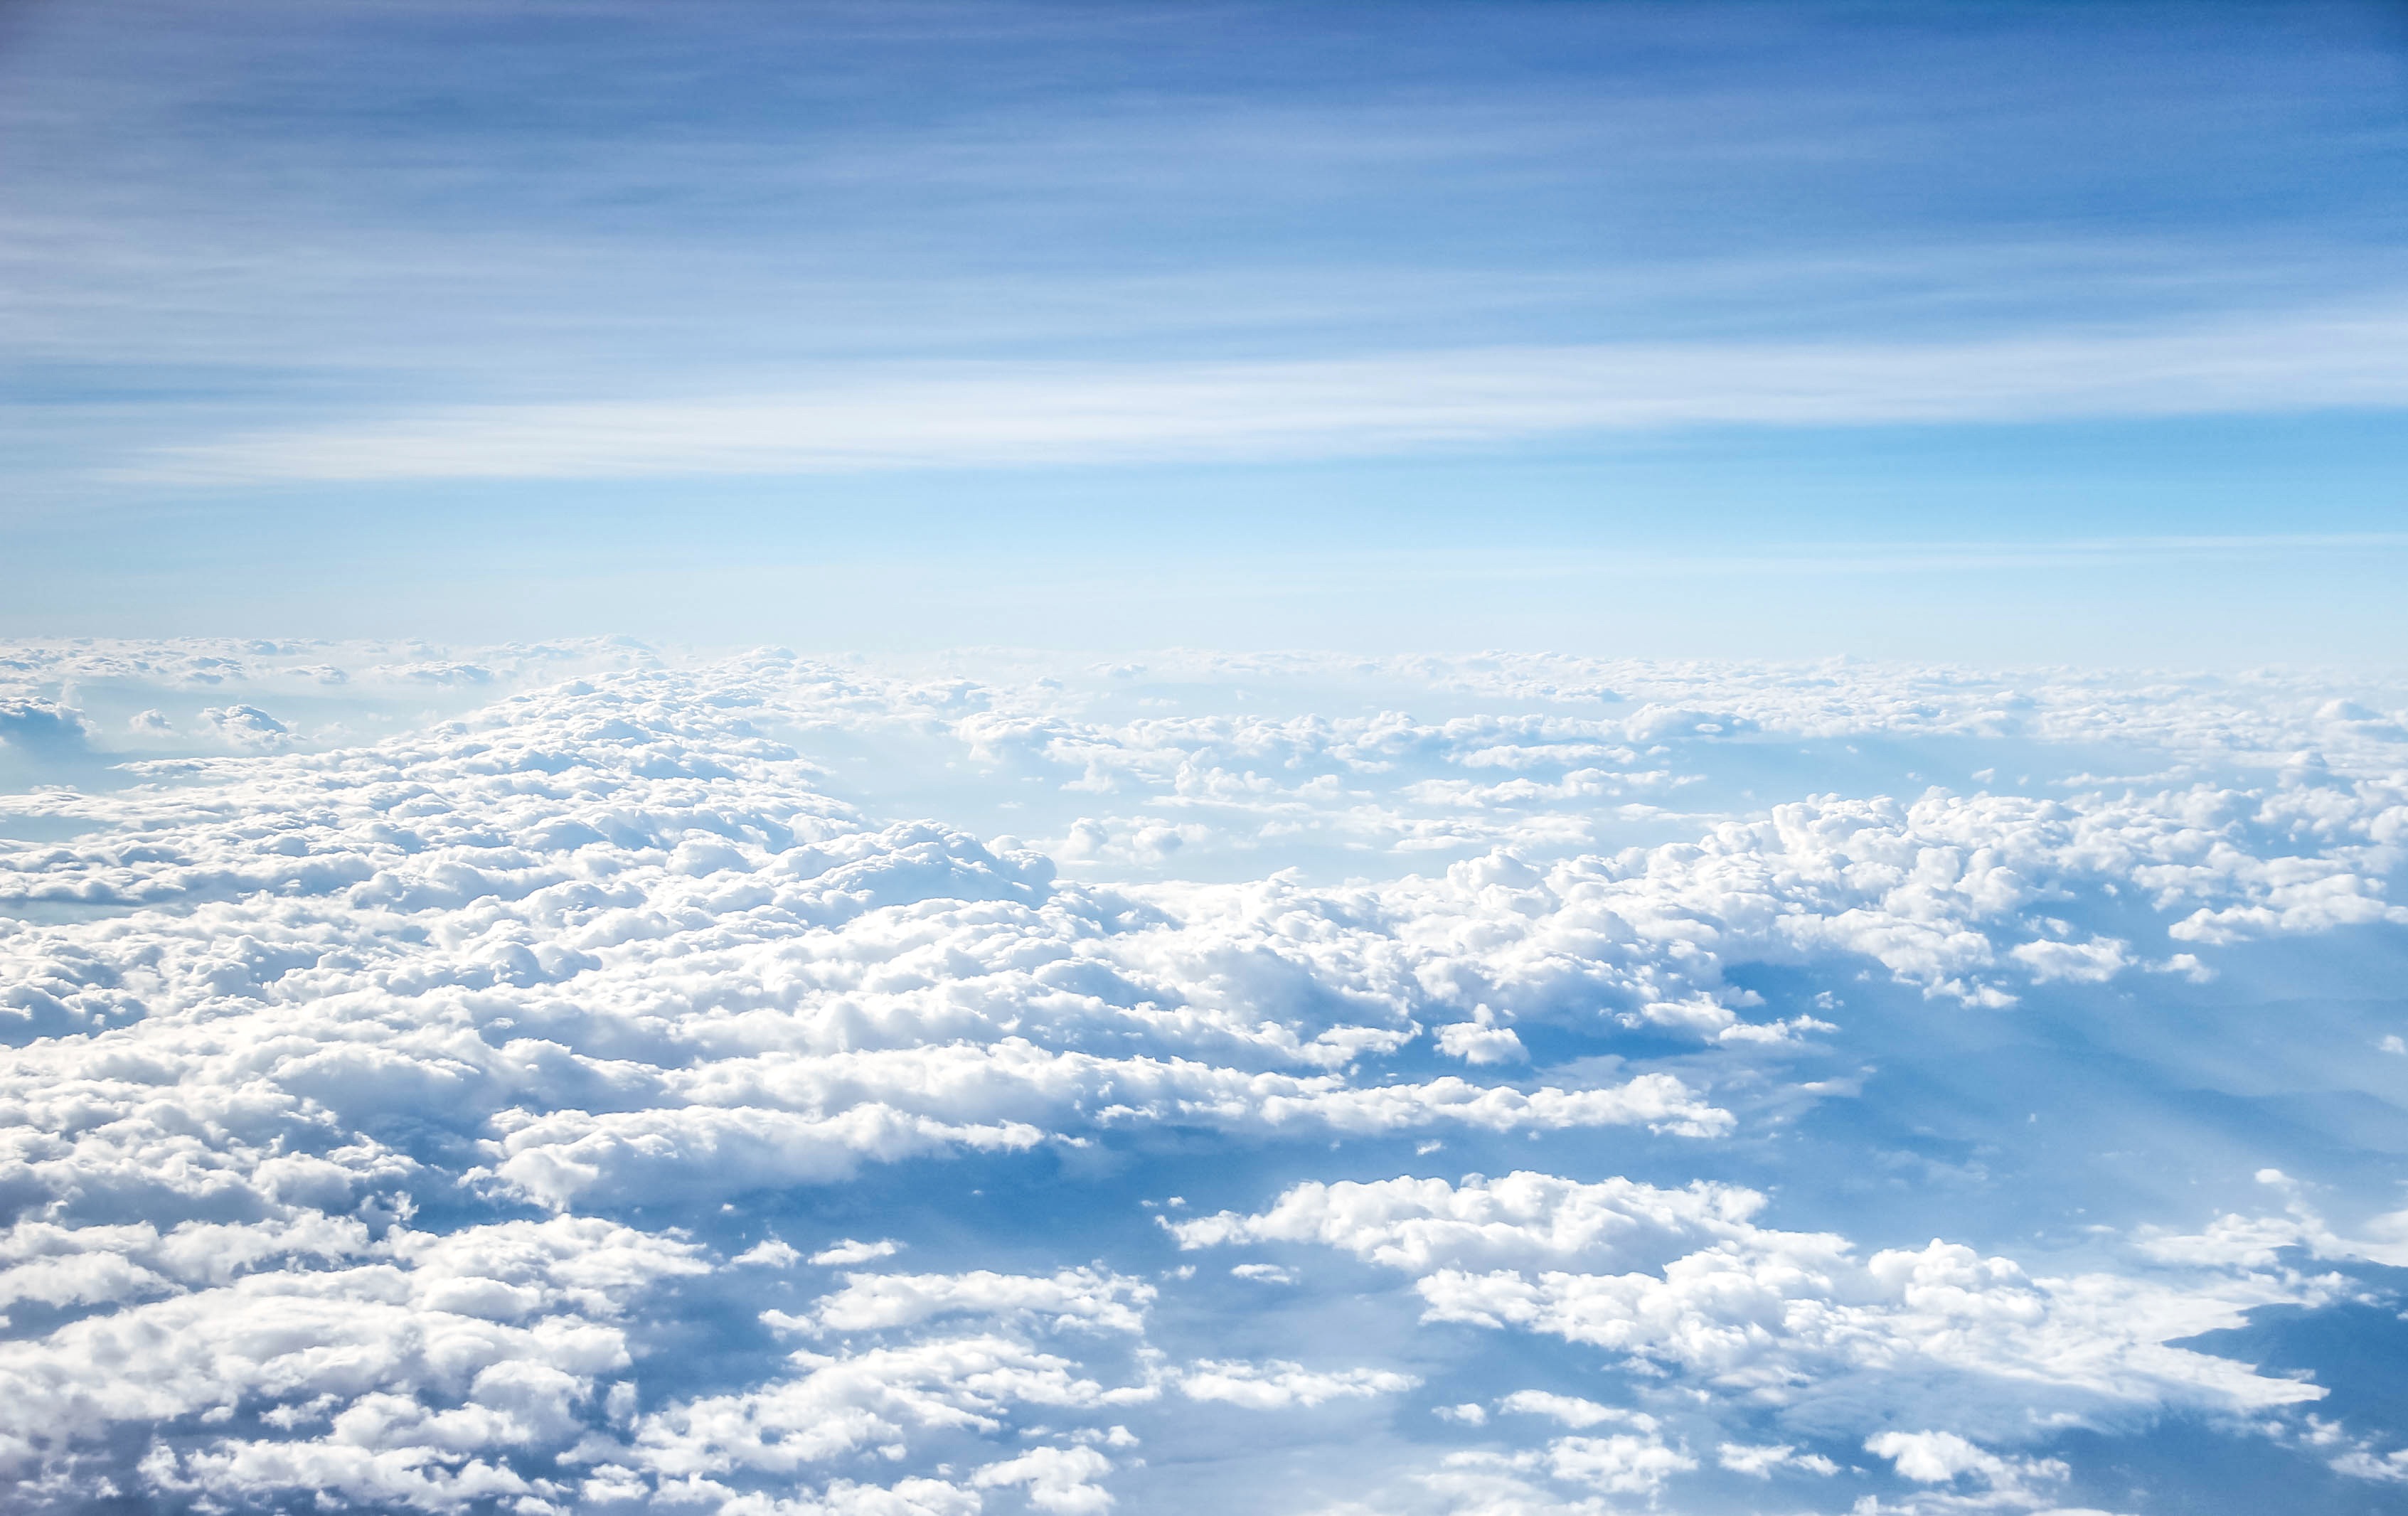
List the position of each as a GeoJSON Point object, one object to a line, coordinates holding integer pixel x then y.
{"type": "Point", "coordinates": [1662, 329]}
{"type": "Point", "coordinates": [1325, 759]}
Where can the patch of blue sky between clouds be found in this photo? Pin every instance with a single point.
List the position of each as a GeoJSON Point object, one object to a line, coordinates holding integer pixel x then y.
{"type": "Point", "coordinates": [579, 1077]}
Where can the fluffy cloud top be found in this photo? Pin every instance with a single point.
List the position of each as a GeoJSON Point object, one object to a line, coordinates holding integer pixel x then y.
{"type": "Point", "coordinates": [530, 1109]}
{"type": "Point", "coordinates": [1686, 1282]}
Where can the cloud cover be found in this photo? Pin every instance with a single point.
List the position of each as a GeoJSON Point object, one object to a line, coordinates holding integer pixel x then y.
{"type": "Point", "coordinates": [530, 1111]}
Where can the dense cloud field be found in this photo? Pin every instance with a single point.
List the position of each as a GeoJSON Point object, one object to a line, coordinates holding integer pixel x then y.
{"type": "Point", "coordinates": [574, 1078]}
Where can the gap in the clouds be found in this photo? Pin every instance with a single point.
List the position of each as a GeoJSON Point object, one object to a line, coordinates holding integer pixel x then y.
{"type": "Point", "coordinates": [23, 828]}
{"type": "Point", "coordinates": [2149, 1098]}
{"type": "Point", "coordinates": [2191, 1466]}
{"type": "Point", "coordinates": [68, 912]}
{"type": "Point", "coordinates": [1055, 1207]}
{"type": "Point", "coordinates": [2355, 1347]}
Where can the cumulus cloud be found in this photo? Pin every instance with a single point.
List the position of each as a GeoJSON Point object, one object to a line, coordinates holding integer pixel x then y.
{"type": "Point", "coordinates": [1480, 1040]}
{"type": "Point", "coordinates": [1278, 1384]}
{"type": "Point", "coordinates": [1685, 1282]}
{"type": "Point", "coordinates": [1760, 1461]}
{"type": "Point", "coordinates": [387, 1121]}
{"type": "Point", "coordinates": [248, 726]}
{"type": "Point", "coordinates": [1077, 1298]}
{"type": "Point", "coordinates": [1268, 1273]}
{"type": "Point", "coordinates": [829, 1406]}
{"type": "Point", "coordinates": [510, 1325]}
{"type": "Point", "coordinates": [1619, 1463]}
{"type": "Point", "coordinates": [1572, 1410]}
{"type": "Point", "coordinates": [1057, 1480]}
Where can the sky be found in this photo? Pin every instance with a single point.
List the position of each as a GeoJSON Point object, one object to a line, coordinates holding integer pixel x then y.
{"type": "Point", "coordinates": [2006, 332]}
{"type": "Point", "coordinates": [1151, 760]}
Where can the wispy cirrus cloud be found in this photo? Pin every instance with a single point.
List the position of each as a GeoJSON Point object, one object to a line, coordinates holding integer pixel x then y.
{"type": "Point", "coordinates": [1051, 413]}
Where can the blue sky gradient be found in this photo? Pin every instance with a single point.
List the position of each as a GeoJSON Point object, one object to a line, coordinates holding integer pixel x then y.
{"type": "Point", "coordinates": [330, 318]}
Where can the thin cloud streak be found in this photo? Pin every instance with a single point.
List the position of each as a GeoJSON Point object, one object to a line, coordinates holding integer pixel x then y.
{"type": "Point", "coordinates": [1038, 414]}
{"type": "Point", "coordinates": [1806, 560]}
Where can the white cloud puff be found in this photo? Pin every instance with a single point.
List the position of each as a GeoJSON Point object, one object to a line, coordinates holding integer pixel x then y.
{"type": "Point", "coordinates": [1759, 1460]}
{"type": "Point", "coordinates": [1279, 1385]}
{"type": "Point", "coordinates": [1482, 1042]}
{"type": "Point", "coordinates": [1075, 1297]}
{"type": "Point", "coordinates": [1685, 1280]}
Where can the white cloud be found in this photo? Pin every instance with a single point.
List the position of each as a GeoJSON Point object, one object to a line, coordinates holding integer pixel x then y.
{"type": "Point", "coordinates": [1621, 1464]}
{"type": "Point", "coordinates": [572, 1157]}
{"type": "Point", "coordinates": [1936, 1457]}
{"type": "Point", "coordinates": [1075, 1297]}
{"type": "Point", "coordinates": [1480, 1041]}
{"type": "Point", "coordinates": [301, 1040]}
{"type": "Point", "coordinates": [1057, 1480]}
{"type": "Point", "coordinates": [1618, 1464]}
{"type": "Point", "coordinates": [2385, 1468]}
{"type": "Point", "coordinates": [1277, 1384]}
{"type": "Point", "coordinates": [1572, 1410]}
{"type": "Point", "coordinates": [1685, 1282]}
{"type": "Point", "coordinates": [1017, 414]}
{"type": "Point", "coordinates": [1266, 1273]}
{"type": "Point", "coordinates": [1988, 1481]}
{"type": "Point", "coordinates": [249, 727]}
{"type": "Point", "coordinates": [1424, 1225]}
{"type": "Point", "coordinates": [513, 1323]}
{"type": "Point", "coordinates": [1759, 1460]}
{"type": "Point", "coordinates": [833, 1405]}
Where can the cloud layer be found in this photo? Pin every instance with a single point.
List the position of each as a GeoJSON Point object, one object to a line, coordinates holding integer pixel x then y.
{"type": "Point", "coordinates": [608, 1098]}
